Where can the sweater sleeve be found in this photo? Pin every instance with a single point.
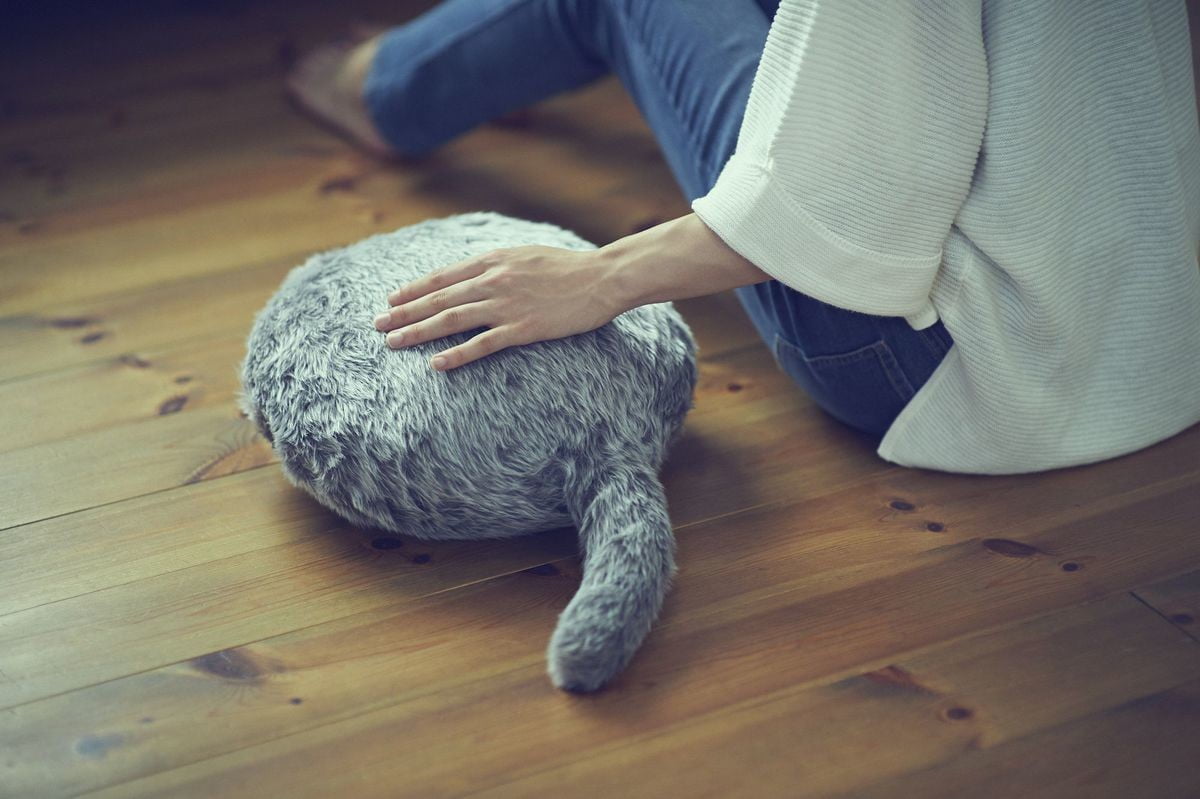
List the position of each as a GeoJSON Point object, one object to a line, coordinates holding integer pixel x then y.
{"type": "Point", "coordinates": [856, 150]}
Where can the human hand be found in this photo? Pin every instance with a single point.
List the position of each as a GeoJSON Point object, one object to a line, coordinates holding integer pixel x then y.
{"type": "Point", "coordinates": [523, 294]}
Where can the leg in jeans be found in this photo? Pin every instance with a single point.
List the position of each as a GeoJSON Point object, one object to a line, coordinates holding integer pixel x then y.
{"type": "Point", "coordinates": [689, 66]}
{"type": "Point", "coordinates": [464, 62]}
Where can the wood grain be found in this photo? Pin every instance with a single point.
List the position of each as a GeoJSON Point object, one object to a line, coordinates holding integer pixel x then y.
{"type": "Point", "coordinates": [1176, 600]}
{"type": "Point", "coordinates": [162, 439]}
{"type": "Point", "coordinates": [953, 704]}
{"type": "Point", "coordinates": [823, 596]}
{"type": "Point", "coordinates": [392, 703]}
{"type": "Point", "coordinates": [303, 199]}
{"type": "Point", "coordinates": [178, 620]}
{"type": "Point", "coordinates": [1145, 747]}
{"type": "Point", "coordinates": [128, 460]}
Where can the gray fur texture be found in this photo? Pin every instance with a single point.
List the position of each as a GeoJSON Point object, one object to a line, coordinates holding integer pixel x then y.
{"type": "Point", "coordinates": [550, 434]}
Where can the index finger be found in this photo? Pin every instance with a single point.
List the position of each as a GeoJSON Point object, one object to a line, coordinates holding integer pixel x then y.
{"type": "Point", "coordinates": [440, 278]}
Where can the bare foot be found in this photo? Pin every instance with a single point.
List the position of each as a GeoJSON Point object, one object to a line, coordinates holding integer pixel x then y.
{"type": "Point", "coordinates": [328, 83]}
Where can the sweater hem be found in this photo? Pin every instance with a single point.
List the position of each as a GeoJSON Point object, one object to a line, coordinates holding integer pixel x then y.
{"type": "Point", "coordinates": [752, 214]}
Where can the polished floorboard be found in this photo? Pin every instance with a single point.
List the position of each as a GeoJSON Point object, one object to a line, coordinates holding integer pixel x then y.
{"type": "Point", "coordinates": [176, 620]}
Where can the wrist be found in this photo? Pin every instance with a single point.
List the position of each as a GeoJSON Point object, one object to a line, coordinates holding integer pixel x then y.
{"type": "Point", "coordinates": [623, 273]}
{"type": "Point", "coordinates": [652, 265]}
{"type": "Point", "coordinates": [674, 260]}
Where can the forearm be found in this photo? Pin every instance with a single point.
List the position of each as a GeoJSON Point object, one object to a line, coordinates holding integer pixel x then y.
{"type": "Point", "coordinates": [672, 261]}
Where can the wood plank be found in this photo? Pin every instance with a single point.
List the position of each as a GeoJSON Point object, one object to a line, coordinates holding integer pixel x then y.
{"type": "Point", "coordinates": [196, 84]}
{"type": "Point", "coordinates": [795, 451]}
{"type": "Point", "coordinates": [154, 535]}
{"type": "Point", "coordinates": [160, 316]}
{"type": "Point", "coordinates": [156, 53]}
{"type": "Point", "coordinates": [295, 203]}
{"type": "Point", "coordinates": [926, 711]}
{"type": "Point", "coordinates": [106, 177]}
{"type": "Point", "coordinates": [147, 376]}
{"type": "Point", "coordinates": [1146, 747]}
{"type": "Point", "coordinates": [1177, 600]}
{"type": "Point", "coordinates": [836, 490]}
{"type": "Point", "coordinates": [135, 323]}
{"type": "Point", "coordinates": [127, 236]}
{"type": "Point", "coordinates": [140, 383]}
{"type": "Point", "coordinates": [826, 585]}
{"type": "Point", "coordinates": [222, 236]}
{"type": "Point", "coordinates": [181, 445]}
{"type": "Point", "coordinates": [697, 489]}
{"type": "Point", "coordinates": [387, 692]}
{"type": "Point", "coordinates": [919, 634]}
{"type": "Point", "coordinates": [108, 159]}
{"type": "Point", "coordinates": [49, 187]}
{"type": "Point", "coordinates": [282, 211]}
{"type": "Point", "coordinates": [128, 460]}
{"type": "Point", "coordinates": [133, 387]}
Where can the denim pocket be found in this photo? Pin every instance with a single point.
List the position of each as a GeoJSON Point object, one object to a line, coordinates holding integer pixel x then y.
{"type": "Point", "coordinates": [865, 387]}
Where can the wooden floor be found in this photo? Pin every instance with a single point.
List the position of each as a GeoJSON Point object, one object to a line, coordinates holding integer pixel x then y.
{"type": "Point", "coordinates": [176, 620]}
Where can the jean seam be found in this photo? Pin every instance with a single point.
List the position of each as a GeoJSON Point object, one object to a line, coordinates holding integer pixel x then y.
{"type": "Point", "coordinates": [840, 358]}
{"type": "Point", "coordinates": [901, 385]}
{"type": "Point", "coordinates": [938, 351]}
{"type": "Point", "coordinates": [891, 367]}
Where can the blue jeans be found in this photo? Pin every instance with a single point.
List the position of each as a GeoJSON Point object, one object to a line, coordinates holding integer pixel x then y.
{"type": "Point", "coordinates": [688, 65]}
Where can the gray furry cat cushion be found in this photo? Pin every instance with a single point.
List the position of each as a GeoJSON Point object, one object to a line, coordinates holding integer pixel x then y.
{"type": "Point", "coordinates": [549, 434]}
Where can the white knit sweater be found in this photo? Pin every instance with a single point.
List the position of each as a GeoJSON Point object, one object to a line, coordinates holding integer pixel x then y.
{"type": "Point", "coordinates": [1029, 172]}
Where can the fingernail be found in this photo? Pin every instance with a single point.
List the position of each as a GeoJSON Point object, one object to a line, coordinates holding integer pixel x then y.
{"type": "Point", "coordinates": [438, 361]}
{"type": "Point", "coordinates": [395, 337]}
{"type": "Point", "coordinates": [382, 320]}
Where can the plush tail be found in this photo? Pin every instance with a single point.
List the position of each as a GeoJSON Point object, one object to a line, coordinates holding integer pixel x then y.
{"type": "Point", "coordinates": [628, 566]}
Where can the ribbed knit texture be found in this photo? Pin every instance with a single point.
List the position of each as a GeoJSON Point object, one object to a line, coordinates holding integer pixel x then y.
{"type": "Point", "coordinates": [1028, 172]}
